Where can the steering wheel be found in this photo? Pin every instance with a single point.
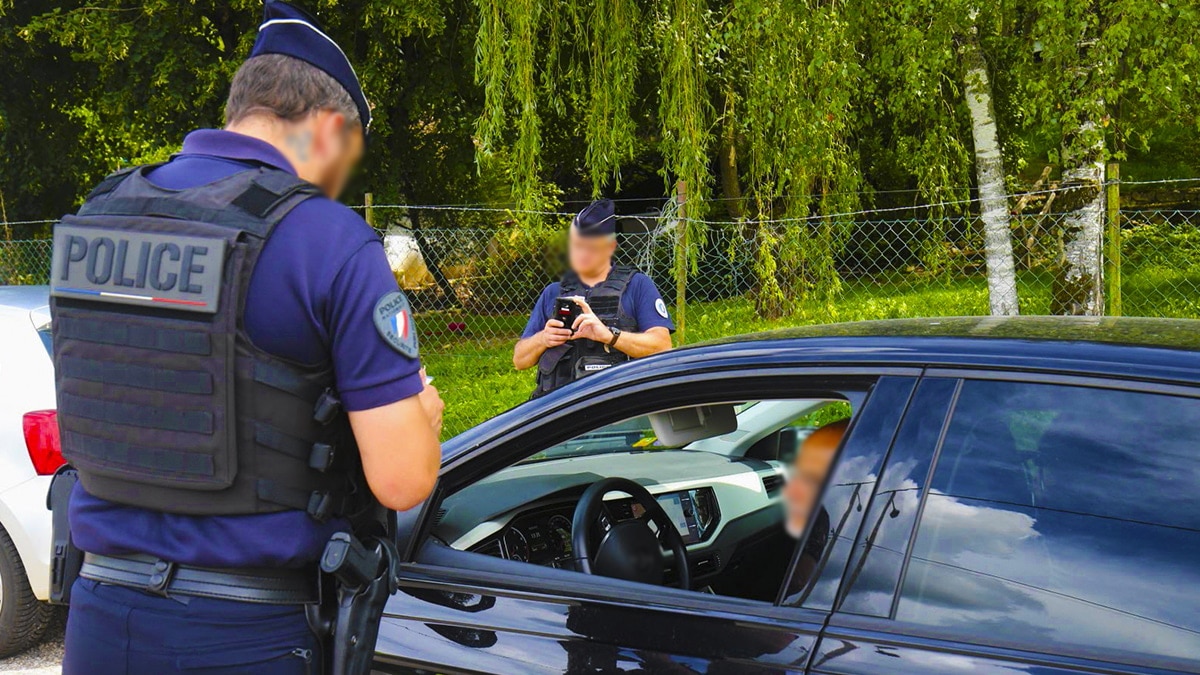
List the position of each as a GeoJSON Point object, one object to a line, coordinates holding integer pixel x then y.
{"type": "Point", "coordinates": [629, 550]}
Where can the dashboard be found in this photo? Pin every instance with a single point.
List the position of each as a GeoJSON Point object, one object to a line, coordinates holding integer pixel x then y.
{"type": "Point", "coordinates": [542, 535]}
{"type": "Point", "coordinates": [524, 512]}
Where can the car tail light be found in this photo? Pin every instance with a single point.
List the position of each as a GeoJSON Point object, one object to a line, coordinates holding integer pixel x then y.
{"type": "Point", "coordinates": [42, 441]}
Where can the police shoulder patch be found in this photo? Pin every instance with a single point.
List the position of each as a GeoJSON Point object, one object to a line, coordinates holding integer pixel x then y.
{"type": "Point", "coordinates": [660, 307]}
{"type": "Point", "coordinates": [394, 321]}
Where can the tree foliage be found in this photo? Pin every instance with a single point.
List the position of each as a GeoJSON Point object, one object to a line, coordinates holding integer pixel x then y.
{"type": "Point", "coordinates": [783, 115]}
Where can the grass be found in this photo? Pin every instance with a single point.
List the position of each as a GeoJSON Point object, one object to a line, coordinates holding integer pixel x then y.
{"type": "Point", "coordinates": [477, 380]}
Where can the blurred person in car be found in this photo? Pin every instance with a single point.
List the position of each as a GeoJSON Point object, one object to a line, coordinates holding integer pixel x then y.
{"type": "Point", "coordinates": [808, 473]}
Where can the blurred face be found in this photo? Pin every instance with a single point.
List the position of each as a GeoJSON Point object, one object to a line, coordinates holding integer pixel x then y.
{"type": "Point", "coordinates": [337, 148]}
{"type": "Point", "coordinates": [809, 472]}
{"type": "Point", "coordinates": [590, 256]}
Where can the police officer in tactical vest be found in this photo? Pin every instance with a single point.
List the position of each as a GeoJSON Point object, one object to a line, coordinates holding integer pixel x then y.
{"type": "Point", "coordinates": [238, 380]}
{"type": "Point", "coordinates": [598, 315]}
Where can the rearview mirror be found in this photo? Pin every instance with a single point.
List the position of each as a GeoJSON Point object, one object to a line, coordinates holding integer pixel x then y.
{"type": "Point", "coordinates": [682, 426]}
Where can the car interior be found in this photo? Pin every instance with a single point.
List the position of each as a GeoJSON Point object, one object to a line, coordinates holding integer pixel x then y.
{"type": "Point", "coordinates": [627, 500]}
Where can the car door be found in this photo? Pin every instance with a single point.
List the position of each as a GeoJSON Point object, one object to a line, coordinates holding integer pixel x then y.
{"type": "Point", "coordinates": [464, 612]}
{"type": "Point", "coordinates": [1029, 525]}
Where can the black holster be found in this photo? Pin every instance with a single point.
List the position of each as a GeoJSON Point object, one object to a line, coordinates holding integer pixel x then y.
{"type": "Point", "coordinates": [364, 577]}
{"type": "Point", "coordinates": [65, 557]}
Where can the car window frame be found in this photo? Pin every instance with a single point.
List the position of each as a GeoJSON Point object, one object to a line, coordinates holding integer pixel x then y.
{"type": "Point", "coordinates": [1074, 655]}
{"type": "Point", "coordinates": [671, 390]}
{"type": "Point", "coordinates": [910, 417]}
{"type": "Point", "coordinates": [905, 388]}
{"type": "Point", "coordinates": [621, 402]}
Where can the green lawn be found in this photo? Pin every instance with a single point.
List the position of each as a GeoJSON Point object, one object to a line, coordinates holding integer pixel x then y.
{"type": "Point", "coordinates": [477, 380]}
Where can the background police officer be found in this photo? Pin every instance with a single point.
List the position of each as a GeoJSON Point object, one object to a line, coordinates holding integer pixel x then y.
{"type": "Point", "coordinates": [206, 418]}
{"type": "Point", "coordinates": [623, 314]}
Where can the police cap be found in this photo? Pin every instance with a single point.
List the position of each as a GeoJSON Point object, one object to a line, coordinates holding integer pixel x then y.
{"type": "Point", "coordinates": [598, 219]}
{"type": "Point", "coordinates": [291, 31]}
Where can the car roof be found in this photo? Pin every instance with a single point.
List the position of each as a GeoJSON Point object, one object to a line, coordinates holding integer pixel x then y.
{"type": "Point", "coordinates": [1144, 348]}
{"type": "Point", "coordinates": [1160, 350]}
{"type": "Point", "coordinates": [24, 297]}
{"type": "Point", "coordinates": [1133, 331]}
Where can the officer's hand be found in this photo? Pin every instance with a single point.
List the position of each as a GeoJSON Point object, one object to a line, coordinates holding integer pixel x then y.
{"type": "Point", "coordinates": [589, 326]}
{"type": "Point", "coordinates": [554, 334]}
{"type": "Point", "coordinates": [432, 402]}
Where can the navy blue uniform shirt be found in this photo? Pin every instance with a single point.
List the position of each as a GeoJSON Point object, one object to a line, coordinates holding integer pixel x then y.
{"type": "Point", "coordinates": [641, 300]}
{"type": "Point", "coordinates": [312, 297]}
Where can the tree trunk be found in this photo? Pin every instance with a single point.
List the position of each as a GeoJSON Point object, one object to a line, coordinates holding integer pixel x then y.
{"type": "Point", "coordinates": [989, 168]}
{"type": "Point", "coordinates": [1079, 285]}
{"type": "Point", "coordinates": [731, 188]}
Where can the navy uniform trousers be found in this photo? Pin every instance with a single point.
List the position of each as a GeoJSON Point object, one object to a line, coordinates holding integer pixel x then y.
{"type": "Point", "coordinates": [122, 631]}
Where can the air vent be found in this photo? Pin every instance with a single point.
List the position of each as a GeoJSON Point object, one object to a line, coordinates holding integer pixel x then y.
{"type": "Point", "coordinates": [491, 548]}
{"type": "Point", "coordinates": [437, 518]}
{"type": "Point", "coordinates": [772, 483]}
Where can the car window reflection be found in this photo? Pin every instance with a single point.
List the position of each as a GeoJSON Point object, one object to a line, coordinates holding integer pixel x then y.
{"type": "Point", "coordinates": [1064, 514]}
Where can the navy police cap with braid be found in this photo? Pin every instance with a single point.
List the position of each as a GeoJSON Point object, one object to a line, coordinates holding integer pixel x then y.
{"type": "Point", "coordinates": [598, 219]}
{"type": "Point", "coordinates": [291, 31]}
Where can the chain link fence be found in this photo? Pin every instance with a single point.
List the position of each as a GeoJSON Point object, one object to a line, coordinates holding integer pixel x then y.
{"type": "Point", "coordinates": [477, 285]}
{"type": "Point", "coordinates": [473, 286]}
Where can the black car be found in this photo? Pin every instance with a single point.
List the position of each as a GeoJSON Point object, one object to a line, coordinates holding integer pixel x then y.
{"type": "Point", "coordinates": [1012, 496]}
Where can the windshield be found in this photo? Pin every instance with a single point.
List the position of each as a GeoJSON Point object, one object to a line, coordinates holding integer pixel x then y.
{"type": "Point", "coordinates": [754, 419]}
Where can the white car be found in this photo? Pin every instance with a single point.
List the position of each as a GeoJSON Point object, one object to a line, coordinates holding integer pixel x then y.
{"type": "Point", "coordinates": [29, 456]}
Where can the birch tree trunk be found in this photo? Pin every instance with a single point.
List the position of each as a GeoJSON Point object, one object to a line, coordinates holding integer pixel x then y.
{"type": "Point", "coordinates": [1079, 285]}
{"type": "Point", "coordinates": [989, 168]}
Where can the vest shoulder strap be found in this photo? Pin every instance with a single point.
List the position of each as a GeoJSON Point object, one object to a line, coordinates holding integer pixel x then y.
{"type": "Point", "coordinates": [253, 201]}
{"type": "Point", "coordinates": [617, 280]}
{"type": "Point", "coordinates": [570, 283]}
{"type": "Point", "coordinates": [272, 194]}
{"type": "Point", "coordinates": [111, 181]}
{"type": "Point", "coordinates": [620, 277]}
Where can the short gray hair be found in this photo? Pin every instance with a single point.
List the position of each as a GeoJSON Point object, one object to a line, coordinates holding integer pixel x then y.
{"type": "Point", "coordinates": [286, 87]}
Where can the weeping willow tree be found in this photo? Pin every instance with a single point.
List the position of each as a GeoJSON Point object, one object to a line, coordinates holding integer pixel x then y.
{"type": "Point", "coordinates": [793, 62]}
{"type": "Point", "coordinates": [683, 38]}
{"type": "Point", "coordinates": [915, 106]}
{"type": "Point", "coordinates": [506, 66]}
{"type": "Point", "coordinates": [792, 103]}
{"type": "Point", "coordinates": [787, 66]}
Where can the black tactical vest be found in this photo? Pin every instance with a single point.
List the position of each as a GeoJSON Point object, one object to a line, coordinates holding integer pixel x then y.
{"type": "Point", "coordinates": [164, 402]}
{"type": "Point", "coordinates": [580, 358]}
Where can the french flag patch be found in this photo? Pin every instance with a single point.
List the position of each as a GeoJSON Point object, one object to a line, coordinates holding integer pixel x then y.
{"type": "Point", "coordinates": [394, 321]}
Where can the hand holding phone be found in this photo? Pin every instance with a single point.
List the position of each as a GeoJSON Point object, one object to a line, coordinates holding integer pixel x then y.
{"type": "Point", "coordinates": [567, 309]}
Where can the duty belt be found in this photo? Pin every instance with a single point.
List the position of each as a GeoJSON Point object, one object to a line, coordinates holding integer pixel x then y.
{"type": "Point", "coordinates": [160, 577]}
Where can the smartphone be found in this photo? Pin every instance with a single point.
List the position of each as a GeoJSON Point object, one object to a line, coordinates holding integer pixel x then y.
{"type": "Point", "coordinates": [567, 310]}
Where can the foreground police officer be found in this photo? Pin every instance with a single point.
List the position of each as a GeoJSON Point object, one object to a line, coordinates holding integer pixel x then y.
{"type": "Point", "coordinates": [622, 315]}
{"type": "Point", "coordinates": [237, 377]}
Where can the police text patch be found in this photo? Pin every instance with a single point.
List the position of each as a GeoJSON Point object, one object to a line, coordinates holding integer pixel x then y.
{"type": "Point", "coordinates": [137, 268]}
{"type": "Point", "coordinates": [394, 321]}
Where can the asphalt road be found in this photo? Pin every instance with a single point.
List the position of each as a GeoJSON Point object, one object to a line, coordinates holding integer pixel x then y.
{"type": "Point", "coordinates": [44, 659]}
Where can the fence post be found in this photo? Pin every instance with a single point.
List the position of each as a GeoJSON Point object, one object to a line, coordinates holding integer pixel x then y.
{"type": "Point", "coordinates": [681, 263]}
{"type": "Point", "coordinates": [369, 209]}
{"type": "Point", "coordinates": [1112, 272]}
{"type": "Point", "coordinates": [4, 218]}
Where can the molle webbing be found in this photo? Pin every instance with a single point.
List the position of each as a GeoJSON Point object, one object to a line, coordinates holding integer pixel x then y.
{"type": "Point", "coordinates": [561, 365]}
{"type": "Point", "coordinates": [164, 403]}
